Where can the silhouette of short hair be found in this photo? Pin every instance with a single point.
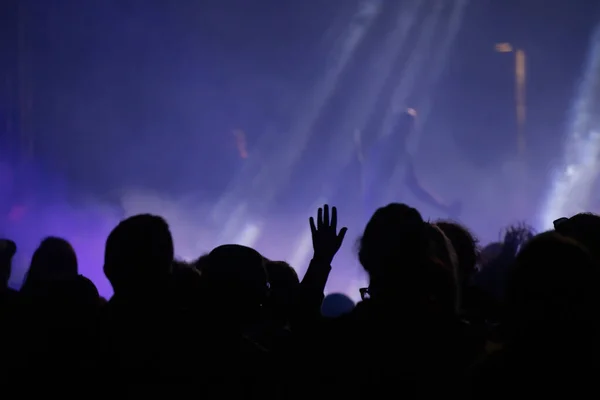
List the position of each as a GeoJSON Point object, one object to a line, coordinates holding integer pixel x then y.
{"type": "Point", "coordinates": [394, 233]}
{"type": "Point", "coordinates": [234, 277]}
{"type": "Point", "coordinates": [139, 250]}
{"type": "Point", "coordinates": [553, 282]}
{"type": "Point", "coordinates": [583, 227]}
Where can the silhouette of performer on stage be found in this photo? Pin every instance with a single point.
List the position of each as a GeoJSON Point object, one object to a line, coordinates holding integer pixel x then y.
{"type": "Point", "coordinates": [389, 166]}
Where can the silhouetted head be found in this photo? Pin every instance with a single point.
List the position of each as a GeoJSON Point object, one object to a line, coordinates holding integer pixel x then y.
{"type": "Point", "coordinates": [284, 286]}
{"type": "Point", "coordinates": [235, 283]}
{"type": "Point", "coordinates": [200, 262]}
{"type": "Point", "coordinates": [139, 254]}
{"type": "Point", "coordinates": [584, 228]}
{"type": "Point", "coordinates": [552, 290]}
{"type": "Point", "coordinates": [54, 260]}
{"type": "Point", "coordinates": [393, 245]}
{"type": "Point", "coordinates": [464, 244]}
{"type": "Point", "coordinates": [336, 304]}
{"type": "Point", "coordinates": [489, 253]}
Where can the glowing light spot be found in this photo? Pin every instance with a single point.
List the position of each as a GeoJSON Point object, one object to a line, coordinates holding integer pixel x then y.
{"type": "Point", "coordinates": [504, 48]}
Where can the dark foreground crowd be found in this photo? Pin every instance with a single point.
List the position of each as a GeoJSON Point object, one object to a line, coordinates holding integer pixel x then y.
{"type": "Point", "coordinates": [440, 317]}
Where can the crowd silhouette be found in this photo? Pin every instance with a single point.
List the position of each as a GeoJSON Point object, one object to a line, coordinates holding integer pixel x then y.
{"type": "Point", "coordinates": [440, 316]}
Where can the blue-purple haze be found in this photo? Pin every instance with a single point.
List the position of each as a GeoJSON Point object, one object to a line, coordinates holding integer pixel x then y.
{"type": "Point", "coordinates": [131, 106]}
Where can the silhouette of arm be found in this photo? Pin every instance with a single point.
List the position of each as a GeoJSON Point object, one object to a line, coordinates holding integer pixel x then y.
{"type": "Point", "coordinates": [326, 243]}
{"type": "Point", "coordinates": [313, 286]}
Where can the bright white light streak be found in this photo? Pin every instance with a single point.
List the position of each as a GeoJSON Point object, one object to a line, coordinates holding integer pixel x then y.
{"type": "Point", "coordinates": [302, 252]}
{"type": "Point", "coordinates": [437, 63]}
{"type": "Point", "coordinates": [428, 61]}
{"type": "Point", "coordinates": [248, 236]}
{"type": "Point", "coordinates": [341, 147]}
{"type": "Point", "coordinates": [574, 180]}
{"type": "Point", "coordinates": [414, 67]}
{"type": "Point", "coordinates": [301, 133]}
{"type": "Point", "coordinates": [276, 169]}
{"type": "Point", "coordinates": [232, 224]}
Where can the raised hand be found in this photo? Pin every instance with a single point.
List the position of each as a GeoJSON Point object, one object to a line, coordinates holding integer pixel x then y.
{"type": "Point", "coordinates": [515, 237]}
{"type": "Point", "coordinates": [325, 237]}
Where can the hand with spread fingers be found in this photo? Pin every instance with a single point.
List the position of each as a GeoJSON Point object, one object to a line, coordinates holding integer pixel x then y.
{"type": "Point", "coordinates": [515, 237]}
{"type": "Point", "coordinates": [325, 237]}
